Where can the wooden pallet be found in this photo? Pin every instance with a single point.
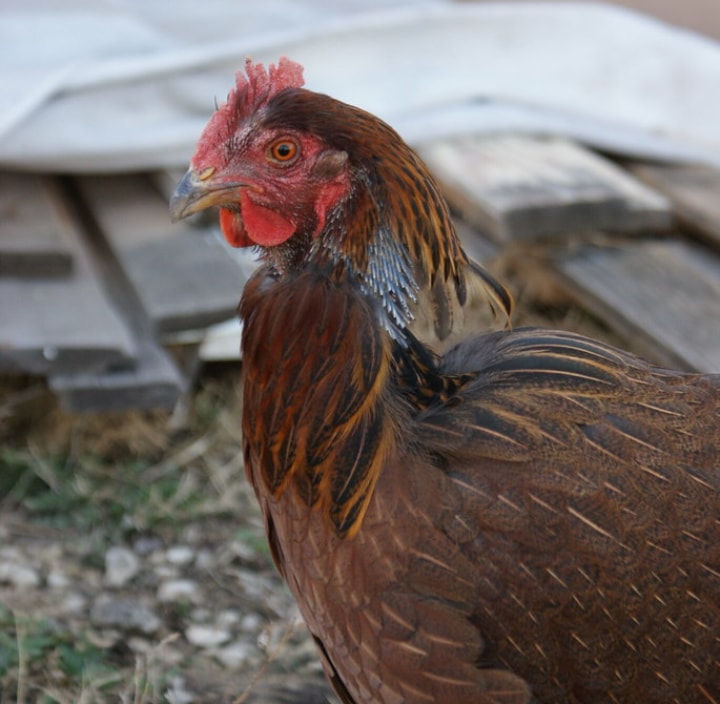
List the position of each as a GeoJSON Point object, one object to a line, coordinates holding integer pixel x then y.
{"type": "Point", "coordinates": [662, 296]}
{"type": "Point", "coordinates": [694, 192]}
{"type": "Point", "coordinates": [63, 322]}
{"type": "Point", "coordinates": [96, 326]}
{"type": "Point", "coordinates": [519, 189]}
{"type": "Point", "coordinates": [95, 282]}
{"type": "Point", "coordinates": [34, 228]}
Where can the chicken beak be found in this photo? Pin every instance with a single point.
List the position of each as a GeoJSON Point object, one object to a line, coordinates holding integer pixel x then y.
{"type": "Point", "coordinates": [198, 191]}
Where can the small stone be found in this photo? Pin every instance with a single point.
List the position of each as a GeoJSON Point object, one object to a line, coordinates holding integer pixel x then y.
{"type": "Point", "coordinates": [256, 586]}
{"type": "Point", "coordinates": [147, 544]}
{"type": "Point", "coordinates": [74, 603]}
{"type": "Point", "coordinates": [251, 623]}
{"type": "Point", "coordinates": [206, 636]}
{"type": "Point", "coordinates": [121, 565]}
{"type": "Point", "coordinates": [178, 590]}
{"type": "Point", "coordinates": [236, 654]}
{"type": "Point", "coordinates": [18, 575]}
{"type": "Point", "coordinates": [177, 692]}
{"type": "Point", "coordinates": [124, 614]}
{"type": "Point", "coordinates": [166, 571]}
{"type": "Point", "coordinates": [243, 551]}
{"type": "Point", "coordinates": [227, 618]}
{"type": "Point", "coordinates": [180, 555]}
{"type": "Point", "coordinates": [57, 579]}
{"type": "Point", "coordinates": [205, 559]}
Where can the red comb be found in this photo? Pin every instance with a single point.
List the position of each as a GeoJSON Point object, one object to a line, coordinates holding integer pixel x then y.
{"type": "Point", "coordinates": [249, 95]}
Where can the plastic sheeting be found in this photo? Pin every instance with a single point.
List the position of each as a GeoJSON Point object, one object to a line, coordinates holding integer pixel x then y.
{"type": "Point", "coordinates": [93, 85]}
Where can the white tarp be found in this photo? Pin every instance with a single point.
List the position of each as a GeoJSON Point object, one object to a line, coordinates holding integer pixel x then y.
{"type": "Point", "coordinates": [105, 85]}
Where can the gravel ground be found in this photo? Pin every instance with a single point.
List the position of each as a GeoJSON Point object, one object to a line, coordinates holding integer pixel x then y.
{"type": "Point", "coordinates": [177, 598]}
{"type": "Point", "coordinates": [207, 607]}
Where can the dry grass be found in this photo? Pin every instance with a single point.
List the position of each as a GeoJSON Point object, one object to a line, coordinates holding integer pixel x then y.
{"type": "Point", "coordinates": [94, 481]}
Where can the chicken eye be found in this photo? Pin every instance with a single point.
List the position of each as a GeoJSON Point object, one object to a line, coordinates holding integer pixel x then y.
{"type": "Point", "coordinates": [284, 151]}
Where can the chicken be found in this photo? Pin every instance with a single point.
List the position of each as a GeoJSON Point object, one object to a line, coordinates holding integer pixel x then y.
{"type": "Point", "coordinates": [533, 516]}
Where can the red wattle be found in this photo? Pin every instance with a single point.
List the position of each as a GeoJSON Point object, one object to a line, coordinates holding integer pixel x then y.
{"type": "Point", "coordinates": [255, 224]}
{"type": "Point", "coordinates": [231, 224]}
{"type": "Point", "coordinates": [264, 226]}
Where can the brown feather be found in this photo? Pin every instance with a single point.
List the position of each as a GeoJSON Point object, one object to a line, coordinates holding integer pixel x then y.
{"type": "Point", "coordinates": [310, 409]}
{"type": "Point", "coordinates": [534, 516]}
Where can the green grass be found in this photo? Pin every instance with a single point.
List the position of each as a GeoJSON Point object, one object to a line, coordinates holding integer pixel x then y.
{"type": "Point", "coordinates": [102, 482]}
{"type": "Point", "coordinates": [91, 493]}
{"type": "Point", "coordinates": [23, 637]}
{"type": "Point", "coordinates": [30, 645]}
{"type": "Point", "coordinates": [102, 503]}
{"type": "Point", "coordinates": [87, 483]}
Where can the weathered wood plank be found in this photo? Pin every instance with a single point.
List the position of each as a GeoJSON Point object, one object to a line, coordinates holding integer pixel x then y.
{"type": "Point", "coordinates": [153, 382]}
{"type": "Point", "coordinates": [694, 191]}
{"type": "Point", "coordinates": [524, 188]}
{"type": "Point", "coordinates": [664, 296]}
{"type": "Point", "coordinates": [61, 325]}
{"type": "Point", "coordinates": [34, 227]}
{"type": "Point", "coordinates": [183, 276]}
